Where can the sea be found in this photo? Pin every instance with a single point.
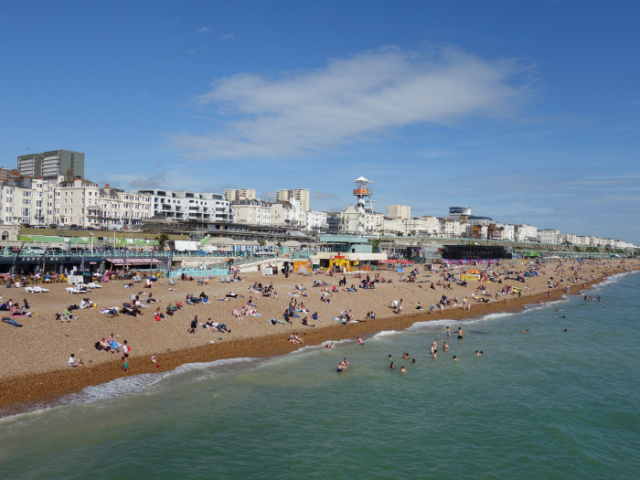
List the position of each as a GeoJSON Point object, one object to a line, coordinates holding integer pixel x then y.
{"type": "Point", "coordinates": [545, 404]}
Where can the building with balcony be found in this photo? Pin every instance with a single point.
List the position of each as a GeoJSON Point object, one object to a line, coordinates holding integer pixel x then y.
{"type": "Point", "coordinates": [185, 206]}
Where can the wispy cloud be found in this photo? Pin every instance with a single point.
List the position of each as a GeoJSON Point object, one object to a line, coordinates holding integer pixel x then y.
{"type": "Point", "coordinates": [353, 99]}
{"type": "Point", "coordinates": [203, 30]}
{"type": "Point", "coordinates": [229, 36]}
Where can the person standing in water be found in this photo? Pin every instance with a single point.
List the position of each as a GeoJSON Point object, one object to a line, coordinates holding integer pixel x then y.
{"type": "Point", "coordinates": [448, 332]}
{"type": "Point", "coordinates": [461, 333]}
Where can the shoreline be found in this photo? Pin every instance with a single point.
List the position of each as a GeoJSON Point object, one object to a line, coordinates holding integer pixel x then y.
{"type": "Point", "coordinates": [31, 392]}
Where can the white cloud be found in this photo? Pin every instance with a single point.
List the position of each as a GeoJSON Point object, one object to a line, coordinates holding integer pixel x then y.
{"type": "Point", "coordinates": [203, 30]}
{"type": "Point", "coordinates": [352, 99]}
{"type": "Point", "coordinates": [229, 36]}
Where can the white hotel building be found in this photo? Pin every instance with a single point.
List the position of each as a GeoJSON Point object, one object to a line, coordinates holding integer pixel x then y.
{"type": "Point", "coordinates": [185, 206]}
{"type": "Point", "coordinates": [76, 202]}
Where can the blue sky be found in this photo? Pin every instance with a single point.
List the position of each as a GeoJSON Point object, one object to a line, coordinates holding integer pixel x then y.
{"type": "Point", "coordinates": [527, 111]}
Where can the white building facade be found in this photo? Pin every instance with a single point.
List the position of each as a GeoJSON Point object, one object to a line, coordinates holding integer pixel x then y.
{"type": "Point", "coordinates": [186, 206]}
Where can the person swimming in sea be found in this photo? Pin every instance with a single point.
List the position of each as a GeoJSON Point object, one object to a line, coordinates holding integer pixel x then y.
{"type": "Point", "coordinates": [392, 366]}
{"type": "Point", "coordinates": [402, 369]}
{"type": "Point", "coordinates": [413, 362]}
{"type": "Point", "coordinates": [340, 367]}
{"type": "Point", "coordinates": [360, 341]}
{"type": "Point", "coordinates": [390, 358]}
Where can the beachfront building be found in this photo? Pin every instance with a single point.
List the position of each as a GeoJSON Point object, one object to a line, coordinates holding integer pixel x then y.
{"type": "Point", "coordinates": [72, 202]}
{"type": "Point", "coordinates": [431, 225]}
{"type": "Point", "coordinates": [549, 235]}
{"type": "Point", "coordinates": [299, 195]}
{"type": "Point", "coordinates": [455, 213]}
{"type": "Point", "coordinates": [233, 194]}
{"type": "Point", "coordinates": [450, 228]}
{"type": "Point", "coordinates": [26, 200]}
{"type": "Point", "coordinates": [507, 231]}
{"type": "Point", "coordinates": [285, 213]}
{"type": "Point", "coordinates": [251, 212]}
{"type": "Point", "coordinates": [7, 174]}
{"type": "Point", "coordinates": [185, 206]}
{"type": "Point", "coordinates": [345, 253]}
{"type": "Point", "coordinates": [84, 203]}
{"type": "Point", "coordinates": [372, 222]}
{"type": "Point", "coordinates": [317, 221]}
{"type": "Point", "coordinates": [50, 165]}
{"type": "Point", "coordinates": [526, 233]}
{"type": "Point", "coordinates": [415, 227]}
{"type": "Point", "coordinates": [398, 211]}
{"type": "Point", "coordinates": [568, 239]}
{"type": "Point", "coordinates": [392, 226]}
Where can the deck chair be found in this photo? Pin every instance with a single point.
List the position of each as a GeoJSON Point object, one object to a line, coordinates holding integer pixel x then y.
{"type": "Point", "coordinates": [201, 281]}
{"type": "Point", "coordinates": [40, 290]}
{"type": "Point", "coordinates": [228, 279]}
{"type": "Point", "coordinates": [137, 279]}
{"type": "Point", "coordinates": [222, 280]}
{"type": "Point", "coordinates": [133, 296]}
{"type": "Point", "coordinates": [171, 282]}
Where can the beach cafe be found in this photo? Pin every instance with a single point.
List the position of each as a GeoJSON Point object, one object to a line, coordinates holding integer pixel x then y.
{"type": "Point", "coordinates": [344, 253]}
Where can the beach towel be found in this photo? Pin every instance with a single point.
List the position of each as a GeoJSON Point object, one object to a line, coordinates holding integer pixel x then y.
{"type": "Point", "coordinates": [339, 320]}
{"type": "Point", "coordinates": [293, 294]}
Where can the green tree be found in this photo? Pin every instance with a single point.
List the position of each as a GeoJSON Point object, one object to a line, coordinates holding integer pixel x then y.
{"type": "Point", "coordinates": [262, 242]}
{"type": "Point", "coordinates": [577, 249]}
{"type": "Point", "coordinates": [375, 244]}
{"type": "Point", "coordinates": [162, 240]}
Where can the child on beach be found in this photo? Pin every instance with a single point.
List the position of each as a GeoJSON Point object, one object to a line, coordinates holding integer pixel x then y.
{"type": "Point", "coordinates": [125, 367]}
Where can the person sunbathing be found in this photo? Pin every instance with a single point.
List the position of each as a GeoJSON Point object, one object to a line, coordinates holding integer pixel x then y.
{"type": "Point", "coordinates": [236, 313]}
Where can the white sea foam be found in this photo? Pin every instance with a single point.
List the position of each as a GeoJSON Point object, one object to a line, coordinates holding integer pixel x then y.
{"type": "Point", "coordinates": [386, 333]}
{"type": "Point", "coordinates": [132, 385]}
{"type": "Point", "coordinates": [431, 325]}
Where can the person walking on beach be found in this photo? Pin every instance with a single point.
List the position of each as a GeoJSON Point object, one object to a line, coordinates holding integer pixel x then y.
{"type": "Point", "coordinates": [194, 325]}
{"type": "Point", "coordinates": [125, 367]}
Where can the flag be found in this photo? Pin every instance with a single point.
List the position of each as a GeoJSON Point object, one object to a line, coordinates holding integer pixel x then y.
{"type": "Point", "coordinates": [15, 259]}
{"type": "Point", "coordinates": [43, 259]}
{"type": "Point", "coordinates": [82, 262]}
{"type": "Point", "coordinates": [170, 262]}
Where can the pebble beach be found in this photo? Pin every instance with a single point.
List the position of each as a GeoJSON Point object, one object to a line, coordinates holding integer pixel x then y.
{"type": "Point", "coordinates": [35, 356]}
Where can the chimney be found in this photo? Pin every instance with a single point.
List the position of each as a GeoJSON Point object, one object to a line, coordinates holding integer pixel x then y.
{"type": "Point", "coordinates": [69, 175]}
{"type": "Point", "coordinates": [106, 185]}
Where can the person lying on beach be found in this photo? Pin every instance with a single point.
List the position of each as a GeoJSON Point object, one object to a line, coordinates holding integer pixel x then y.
{"type": "Point", "coordinates": [292, 339]}
{"type": "Point", "coordinates": [11, 321]}
{"type": "Point", "coordinates": [128, 285]}
{"type": "Point", "coordinates": [305, 322]}
{"type": "Point", "coordinates": [237, 313]}
{"type": "Point", "coordinates": [234, 295]}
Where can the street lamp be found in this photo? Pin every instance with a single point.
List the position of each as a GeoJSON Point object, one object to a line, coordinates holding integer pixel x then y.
{"type": "Point", "coordinates": [91, 235]}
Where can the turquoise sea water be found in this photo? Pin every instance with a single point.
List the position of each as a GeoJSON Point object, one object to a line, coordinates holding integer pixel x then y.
{"type": "Point", "coordinates": [546, 404]}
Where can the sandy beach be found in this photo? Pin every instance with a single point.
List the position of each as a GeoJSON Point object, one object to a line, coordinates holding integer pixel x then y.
{"type": "Point", "coordinates": [34, 366]}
